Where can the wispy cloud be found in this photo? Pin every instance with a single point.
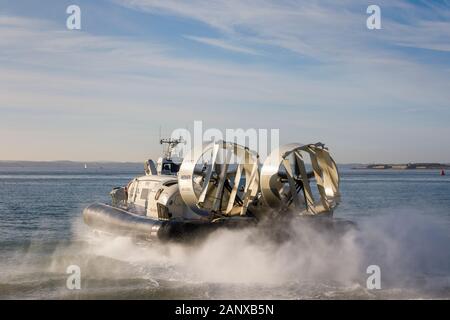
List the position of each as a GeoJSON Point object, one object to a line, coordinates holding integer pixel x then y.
{"type": "Point", "coordinates": [222, 44]}
{"type": "Point", "coordinates": [358, 94]}
{"type": "Point", "coordinates": [326, 30]}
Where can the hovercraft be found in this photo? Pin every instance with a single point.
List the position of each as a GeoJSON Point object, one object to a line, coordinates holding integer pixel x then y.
{"type": "Point", "coordinates": [219, 185]}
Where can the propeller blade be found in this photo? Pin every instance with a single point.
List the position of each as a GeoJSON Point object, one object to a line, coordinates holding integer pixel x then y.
{"type": "Point", "coordinates": [209, 172]}
{"type": "Point", "coordinates": [221, 181]}
{"type": "Point", "coordinates": [248, 189]}
{"type": "Point", "coordinates": [233, 193]}
{"type": "Point", "coordinates": [304, 176]}
{"type": "Point", "coordinates": [292, 185]}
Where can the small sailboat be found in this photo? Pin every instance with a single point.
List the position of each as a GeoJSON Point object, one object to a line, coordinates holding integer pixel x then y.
{"type": "Point", "coordinates": [442, 172]}
{"type": "Point", "coordinates": [85, 165]}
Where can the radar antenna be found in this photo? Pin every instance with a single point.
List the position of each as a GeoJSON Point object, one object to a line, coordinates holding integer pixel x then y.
{"type": "Point", "coordinates": [170, 145]}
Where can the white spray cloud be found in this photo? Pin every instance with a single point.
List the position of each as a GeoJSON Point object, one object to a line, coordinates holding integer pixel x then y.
{"type": "Point", "coordinates": [303, 261]}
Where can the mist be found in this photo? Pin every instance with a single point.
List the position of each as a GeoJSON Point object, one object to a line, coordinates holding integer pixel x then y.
{"type": "Point", "coordinates": [302, 259]}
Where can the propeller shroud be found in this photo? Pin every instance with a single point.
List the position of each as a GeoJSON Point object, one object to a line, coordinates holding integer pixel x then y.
{"type": "Point", "coordinates": [219, 178]}
{"type": "Point", "coordinates": [286, 183]}
{"type": "Point", "coordinates": [223, 178]}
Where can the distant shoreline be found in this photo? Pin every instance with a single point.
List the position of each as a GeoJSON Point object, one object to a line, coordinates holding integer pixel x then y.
{"type": "Point", "coordinates": [58, 166]}
{"type": "Point", "coordinates": [406, 166]}
{"type": "Point", "coordinates": [65, 164]}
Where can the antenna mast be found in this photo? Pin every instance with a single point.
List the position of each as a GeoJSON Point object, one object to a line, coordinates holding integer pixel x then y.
{"type": "Point", "coordinates": [171, 144]}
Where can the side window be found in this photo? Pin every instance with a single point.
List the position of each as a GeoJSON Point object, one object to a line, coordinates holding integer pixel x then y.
{"type": "Point", "coordinates": [144, 194]}
{"type": "Point", "coordinates": [131, 191]}
{"type": "Point", "coordinates": [175, 168]}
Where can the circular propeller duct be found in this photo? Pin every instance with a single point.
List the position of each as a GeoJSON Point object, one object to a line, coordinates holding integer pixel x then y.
{"type": "Point", "coordinates": [219, 178]}
{"type": "Point", "coordinates": [286, 182]}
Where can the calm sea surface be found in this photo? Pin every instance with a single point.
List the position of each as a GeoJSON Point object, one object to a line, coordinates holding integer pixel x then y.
{"type": "Point", "coordinates": [403, 226]}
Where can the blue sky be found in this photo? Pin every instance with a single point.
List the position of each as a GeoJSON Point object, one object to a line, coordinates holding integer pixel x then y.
{"type": "Point", "coordinates": [309, 68]}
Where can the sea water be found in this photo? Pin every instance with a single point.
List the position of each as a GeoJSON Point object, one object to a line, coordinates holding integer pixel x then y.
{"type": "Point", "coordinates": [402, 218]}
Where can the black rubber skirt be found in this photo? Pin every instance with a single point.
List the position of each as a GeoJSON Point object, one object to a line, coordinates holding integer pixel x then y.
{"type": "Point", "coordinates": [114, 220]}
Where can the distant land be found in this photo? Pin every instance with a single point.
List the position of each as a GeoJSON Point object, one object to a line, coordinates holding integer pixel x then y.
{"type": "Point", "coordinates": [51, 166]}
{"type": "Point", "coordinates": [406, 166]}
{"type": "Point", "coordinates": [111, 166]}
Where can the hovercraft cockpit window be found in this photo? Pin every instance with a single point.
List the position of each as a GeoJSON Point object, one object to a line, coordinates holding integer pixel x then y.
{"type": "Point", "coordinates": [170, 168]}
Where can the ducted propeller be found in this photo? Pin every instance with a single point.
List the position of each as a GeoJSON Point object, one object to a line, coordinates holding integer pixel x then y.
{"type": "Point", "coordinates": [286, 182]}
{"type": "Point", "coordinates": [219, 178]}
